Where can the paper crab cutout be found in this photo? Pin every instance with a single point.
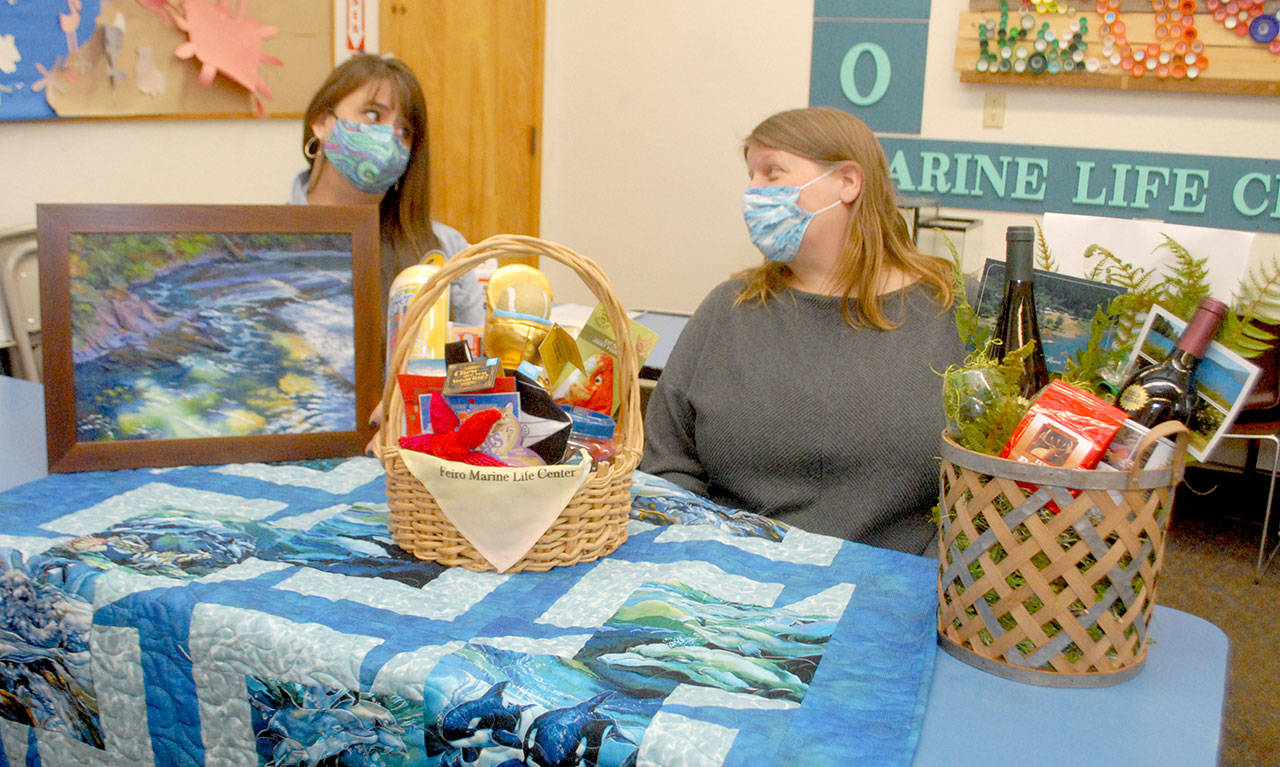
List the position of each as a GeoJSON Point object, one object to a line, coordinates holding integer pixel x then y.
{"type": "Point", "coordinates": [226, 42]}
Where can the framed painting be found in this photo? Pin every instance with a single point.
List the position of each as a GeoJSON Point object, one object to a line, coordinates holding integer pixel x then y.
{"type": "Point", "coordinates": [203, 334]}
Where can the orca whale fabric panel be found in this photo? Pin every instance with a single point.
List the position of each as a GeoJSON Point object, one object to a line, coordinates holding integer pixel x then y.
{"type": "Point", "coordinates": [259, 614]}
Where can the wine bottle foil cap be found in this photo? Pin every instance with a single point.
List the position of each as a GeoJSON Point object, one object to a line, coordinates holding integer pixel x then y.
{"type": "Point", "coordinates": [1020, 253]}
{"type": "Point", "coordinates": [1203, 326]}
{"type": "Point", "coordinates": [1210, 304]}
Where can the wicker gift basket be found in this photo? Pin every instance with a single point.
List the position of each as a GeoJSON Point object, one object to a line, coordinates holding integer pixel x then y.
{"type": "Point", "coordinates": [594, 522]}
{"type": "Point", "coordinates": [1047, 576]}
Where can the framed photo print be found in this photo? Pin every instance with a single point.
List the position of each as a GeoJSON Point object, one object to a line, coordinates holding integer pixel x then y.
{"type": "Point", "coordinates": [1223, 379]}
{"type": "Point", "coordinates": [1064, 306]}
{"type": "Point", "coordinates": [202, 334]}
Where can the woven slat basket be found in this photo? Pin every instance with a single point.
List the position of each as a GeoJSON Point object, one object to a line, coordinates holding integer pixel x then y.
{"type": "Point", "coordinates": [594, 523]}
{"type": "Point", "coordinates": [1054, 599]}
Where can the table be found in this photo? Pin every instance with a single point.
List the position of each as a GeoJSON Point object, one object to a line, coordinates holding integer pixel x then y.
{"type": "Point", "coordinates": [258, 613]}
{"type": "Point", "coordinates": [22, 446]}
{"type": "Point", "coordinates": [292, 608]}
{"type": "Point", "coordinates": [1170, 713]}
{"type": "Point", "coordinates": [668, 325]}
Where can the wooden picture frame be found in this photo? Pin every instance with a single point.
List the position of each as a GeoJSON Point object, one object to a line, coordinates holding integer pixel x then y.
{"type": "Point", "coordinates": [204, 334]}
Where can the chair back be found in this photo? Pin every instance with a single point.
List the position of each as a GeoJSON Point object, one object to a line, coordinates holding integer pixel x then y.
{"type": "Point", "coordinates": [20, 283]}
{"type": "Point", "coordinates": [1266, 392]}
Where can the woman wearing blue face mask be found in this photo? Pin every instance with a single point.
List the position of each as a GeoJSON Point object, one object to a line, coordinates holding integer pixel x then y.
{"type": "Point", "coordinates": [365, 137]}
{"type": "Point", "coordinates": [805, 388]}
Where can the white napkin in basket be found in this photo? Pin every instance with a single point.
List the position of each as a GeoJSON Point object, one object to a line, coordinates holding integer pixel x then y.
{"type": "Point", "coordinates": [500, 510]}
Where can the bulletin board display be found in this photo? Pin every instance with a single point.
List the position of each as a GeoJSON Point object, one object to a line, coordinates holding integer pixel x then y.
{"type": "Point", "coordinates": [1194, 46]}
{"type": "Point", "coordinates": [162, 58]}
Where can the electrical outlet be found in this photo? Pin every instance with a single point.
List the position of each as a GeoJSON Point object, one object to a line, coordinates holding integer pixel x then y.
{"type": "Point", "coordinates": [993, 110]}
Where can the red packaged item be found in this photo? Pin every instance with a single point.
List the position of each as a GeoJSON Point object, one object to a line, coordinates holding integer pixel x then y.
{"type": "Point", "coordinates": [417, 390]}
{"type": "Point", "coordinates": [1065, 427]}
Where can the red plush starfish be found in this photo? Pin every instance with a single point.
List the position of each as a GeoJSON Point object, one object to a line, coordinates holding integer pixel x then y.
{"type": "Point", "coordinates": [454, 442]}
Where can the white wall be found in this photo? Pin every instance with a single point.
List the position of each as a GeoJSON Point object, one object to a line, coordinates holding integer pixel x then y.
{"type": "Point", "coordinates": [645, 109]}
{"type": "Point", "coordinates": [145, 161]}
{"type": "Point", "coordinates": [646, 105]}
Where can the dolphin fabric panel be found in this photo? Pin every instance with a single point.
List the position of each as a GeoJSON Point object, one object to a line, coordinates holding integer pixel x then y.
{"type": "Point", "coordinates": [259, 614]}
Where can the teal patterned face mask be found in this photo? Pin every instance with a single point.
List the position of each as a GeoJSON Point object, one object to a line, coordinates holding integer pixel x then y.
{"type": "Point", "coordinates": [371, 157]}
{"type": "Point", "coordinates": [775, 221]}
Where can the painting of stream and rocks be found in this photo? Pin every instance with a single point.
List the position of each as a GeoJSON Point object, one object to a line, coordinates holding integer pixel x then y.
{"type": "Point", "coordinates": [187, 336]}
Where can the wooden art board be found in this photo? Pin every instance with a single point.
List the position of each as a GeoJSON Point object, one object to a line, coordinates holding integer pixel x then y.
{"type": "Point", "coordinates": [77, 83]}
{"type": "Point", "coordinates": [1237, 64]}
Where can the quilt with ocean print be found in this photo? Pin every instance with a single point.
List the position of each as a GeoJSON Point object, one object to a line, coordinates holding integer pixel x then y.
{"type": "Point", "coordinates": [259, 614]}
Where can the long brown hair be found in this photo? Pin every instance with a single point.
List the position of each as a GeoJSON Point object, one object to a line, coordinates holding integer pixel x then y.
{"type": "Point", "coordinates": [877, 239]}
{"type": "Point", "coordinates": [405, 210]}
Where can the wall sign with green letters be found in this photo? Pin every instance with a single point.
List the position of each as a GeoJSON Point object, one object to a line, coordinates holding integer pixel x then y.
{"type": "Point", "coordinates": [868, 59]}
{"type": "Point", "coordinates": [1199, 190]}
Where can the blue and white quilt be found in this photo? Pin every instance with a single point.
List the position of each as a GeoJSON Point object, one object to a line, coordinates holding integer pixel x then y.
{"type": "Point", "coordinates": [259, 614]}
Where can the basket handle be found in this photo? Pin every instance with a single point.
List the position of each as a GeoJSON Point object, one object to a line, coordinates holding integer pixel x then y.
{"type": "Point", "coordinates": [1148, 443]}
{"type": "Point", "coordinates": [500, 245]}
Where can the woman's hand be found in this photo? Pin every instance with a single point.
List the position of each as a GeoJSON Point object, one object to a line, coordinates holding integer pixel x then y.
{"type": "Point", "coordinates": [375, 420]}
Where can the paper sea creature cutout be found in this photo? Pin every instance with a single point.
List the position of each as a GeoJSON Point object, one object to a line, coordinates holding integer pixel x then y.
{"type": "Point", "coordinates": [9, 56]}
{"type": "Point", "coordinates": [150, 79]}
{"type": "Point", "coordinates": [47, 80]}
{"type": "Point", "coordinates": [504, 441]}
{"type": "Point", "coordinates": [70, 22]}
{"type": "Point", "coordinates": [113, 43]}
{"type": "Point", "coordinates": [160, 8]}
{"type": "Point", "coordinates": [226, 42]}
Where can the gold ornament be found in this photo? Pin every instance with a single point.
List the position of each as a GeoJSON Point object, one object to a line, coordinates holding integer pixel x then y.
{"type": "Point", "coordinates": [518, 315]}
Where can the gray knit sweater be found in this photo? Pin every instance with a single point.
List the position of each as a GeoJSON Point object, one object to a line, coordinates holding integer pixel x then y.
{"type": "Point", "coordinates": [785, 410]}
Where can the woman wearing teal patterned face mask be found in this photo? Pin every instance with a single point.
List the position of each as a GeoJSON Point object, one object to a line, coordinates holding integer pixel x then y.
{"type": "Point", "coordinates": [371, 157]}
{"type": "Point", "coordinates": [364, 136]}
{"type": "Point", "coordinates": [805, 388]}
{"type": "Point", "coordinates": [365, 139]}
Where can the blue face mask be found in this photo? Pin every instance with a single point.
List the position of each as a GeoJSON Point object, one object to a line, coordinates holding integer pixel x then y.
{"type": "Point", "coordinates": [371, 157]}
{"type": "Point", "coordinates": [775, 220]}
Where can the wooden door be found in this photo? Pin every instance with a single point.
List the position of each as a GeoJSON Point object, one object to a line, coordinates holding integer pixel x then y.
{"type": "Point", "coordinates": [480, 64]}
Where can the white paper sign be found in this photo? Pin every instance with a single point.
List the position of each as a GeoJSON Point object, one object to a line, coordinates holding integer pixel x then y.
{"type": "Point", "coordinates": [1226, 252]}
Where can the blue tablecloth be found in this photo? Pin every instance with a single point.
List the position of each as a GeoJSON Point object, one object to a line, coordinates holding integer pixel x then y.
{"type": "Point", "coordinates": [259, 614]}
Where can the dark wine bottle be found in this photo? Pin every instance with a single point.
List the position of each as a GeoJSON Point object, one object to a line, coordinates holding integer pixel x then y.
{"type": "Point", "coordinates": [1017, 325]}
{"type": "Point", "coordinates": [1166, 390]}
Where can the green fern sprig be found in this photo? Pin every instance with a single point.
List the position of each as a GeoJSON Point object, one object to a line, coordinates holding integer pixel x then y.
{"type": "Point", "coordinates": [1141, 291]}
{"type": "Point", "coordinates": [1248, 329]}
{"type": "Point", "coordinates": [1259, 299]}
{"type": "Point", "coordinates": [973, 333]}
{"type": "Point", "coordinates": [1111, 269]}
{"type": "Point", "coordinates": [1044, 258]}
{"type": "Point", "coordinates": [1260, 293]}
{"type": "Point", "coordinates": [1244, 338]}
{"type": "Point", "coordinates": [1181, 291]}
{"type": "Point", "coordinates": [1187, 283]}
{"type": "Point", "coordinates": [1130, 309]}
{"type": "Point", "coordinates": [1089, 367]}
